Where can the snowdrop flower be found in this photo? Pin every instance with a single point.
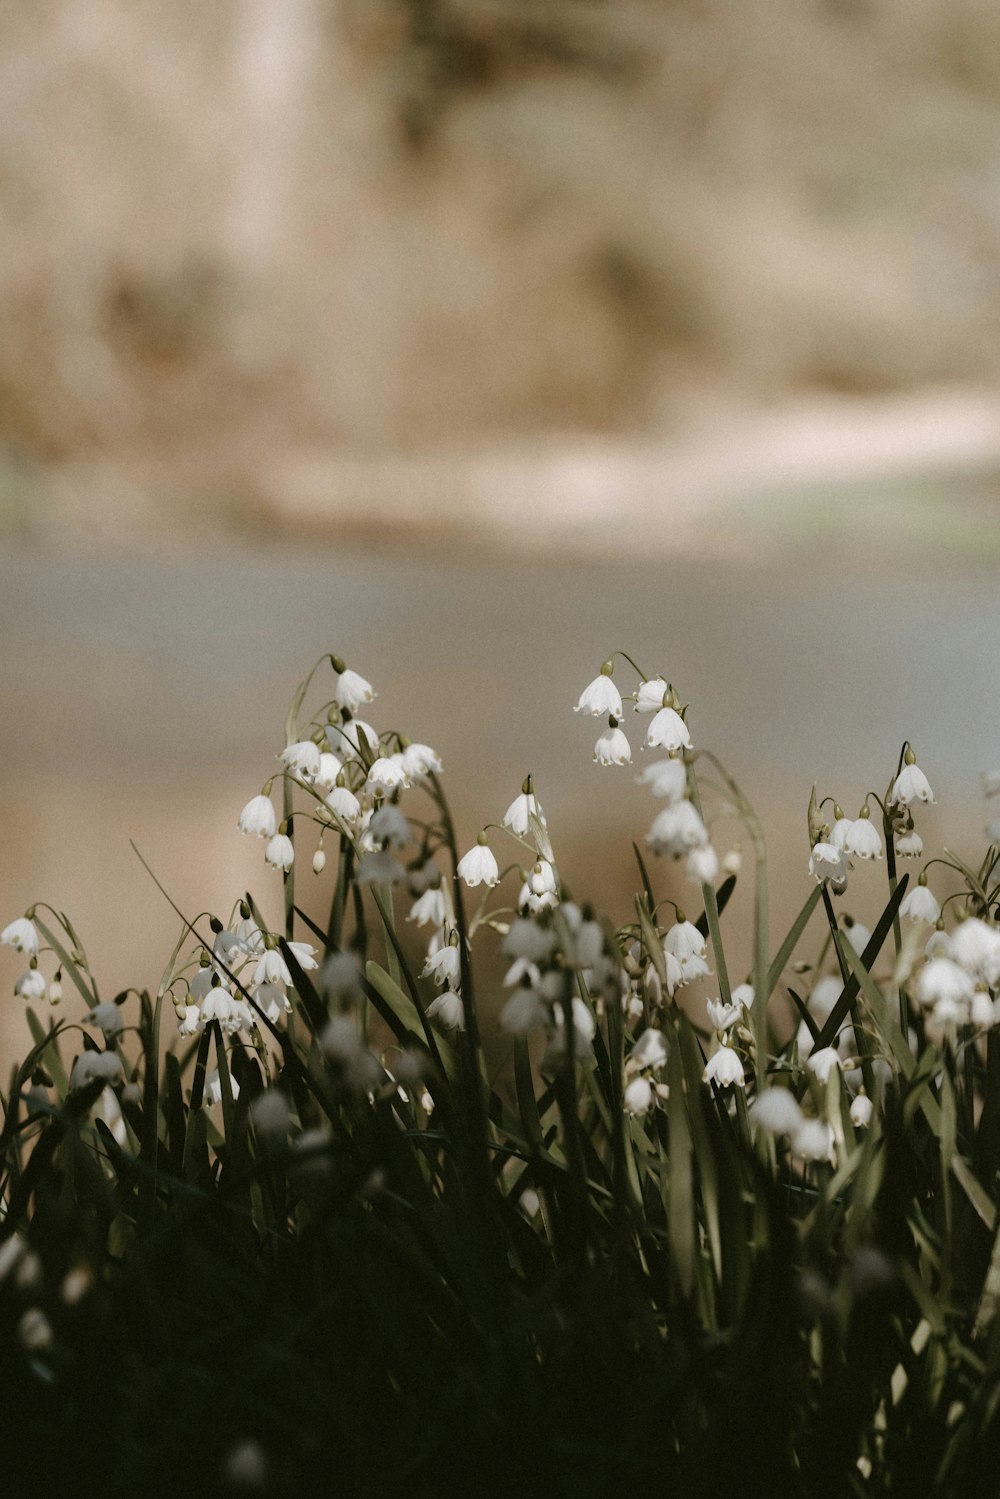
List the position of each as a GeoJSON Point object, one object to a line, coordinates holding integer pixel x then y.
{"type": "Point", "coordinates": [982, 1012]}
{"type": "Point", "coordinates": [352, 690]}
{"type": "Point", "coordinates": [279, 852]}
{"type": "Point", "coordinates": [863, 838]}
{"type": "Point", "coordinates": [379, 868]}
{"type": "Point", "coordinates": [22, 936]}
{"type": "Point", "coordinates": [649, 1052]}
{"type": "Point", "coordinates": [722, 1017]}
{"type": "Point", "coordinates": [668, 731]}
{"type": "Point", "coordinates": [354, 732]}
{"type": "Point", "coordinates": [389, 826]}
{"type": "Point", "coordinates": [271, 968]}
{"type": "Point", "coordinates": [724, 1069]}
{"type": "Point", "coordinates": [687, 945]}
{"type": "Point", "coordinates": [250, 937]}
{"type": "Point", "coordinates": [523, 1012]}
{"type": "Point", "coordinates": [976, 946]}
{"type": "Point", "coordinates": [826, 862]}
{"type": "Point", "coordinates": [612, 748]}
{"type": "Point", "coordinates": [188, 1020]}
{"type": "Point", "coordinates": [92, 1067]}
{"type": "Point", "coordinates": [744, 994]}
{"type": "Point", "coordinates": [419, 760]}
{"type": "Point", "coordinates": [602, 696]}
{"type": "Point", "coordinates": [841, 828]}
{"type": "Point", "coordinates": [30, 985]}
{"type": "Point", "coordinates": [344, 804]}
{"type": "Point", "coordinates": [329, 769]}
{"type": "Point", "coordinates": [584, 1029]}
{"type": "Point", "coordinates": [479, 866]}
{"type": "Point", "coordinates": [526, 939]}
{"type": "Point", "coordinates": [217, 1005]}
{"type": "Point", "coordinates": [304, 954]}
{"type": "Point", "coordinates": [319, 861]}
{"type": "Point", "coordinates": [517, 817]}
{"type": "Point", "coordinates": [522, 969]}
{"type": "Point", "coordinates": [444, 966]}
{"type": "Point", "coordinates": [270, 1115]}
{"type": "Point", "coordinates": [272, 1000]}
{"type": "Point", "coordinates": [777, 1111]}
{"type": "Point", "coordinates": [862, 1110]}
{"type": "Point", "coordinates": [813, 1141]}
{"type": "Point", "coordinates": [258, 816]}
{"type": "Point", "coordinates": [638, 1097]}
{"type": "Point", "coordinates": [942, 980]}
{"type": "Point", "coordinates": [649, 698]}
{"type": "Point", "coordinates": [213, 1088]}
{"type": "Point", "coordinates": [666, 778]}
{"type": "Point", "coordinates": [909, 845]}
{"type": "Point", "coordinates": [542, 878]}
{"type": "Point", "coordinates": [857, 934]}
{"type": "Point", "coordinates": [108, 1018]}
{"type": "Point", "coordinates": [702, 865]}
{"type": "Point", "coordinates": [429, 909]}
{"type": "Point", "coordinates": [823, 1062]}
{"type": "Point", "coordinates": [385, 776]}
{"type": "Point", "coordinates": [677, 830]}
{"type": "Point", "coordinates": [911, 785]}
{"type": "Point", "coordinates": [302, 759]}
{"type": "Point", "coordinates": [448, 1009]}
{"type": "Point", "coordinates": [920, 905]}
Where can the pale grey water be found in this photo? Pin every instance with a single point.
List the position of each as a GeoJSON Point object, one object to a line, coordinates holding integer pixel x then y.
{"type": "Point", "coordinates": [146, 699]}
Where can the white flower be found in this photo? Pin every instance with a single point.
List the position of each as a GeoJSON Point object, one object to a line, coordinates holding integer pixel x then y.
{"type": "Point", "coordinates": [386, 775]}
{"type": "Point", "coordinates": [448, 1009]}
{"type": "Point", "coordinates": [909, 845]}
{"type": "Point", "coordinates": [272, 1000]}
{"type": "Point", "coordinates": [522, 968]}
{"type": "Point", "coordinates": [523, 1012]}
{"type": "Point", "coordinates": [584, 1030]}
{"type": "Point", "coordinates": [30, 985]}
{"type": "Point", "coordinates": [983, 1012]}
{"type": "Point", "coordinates": [351, 691]}
{"type": "Point", "coordinates": [649, 1052]}
{"type": "Point", "coordinates": [942, 980]}
{"type": "Point", "coordinates": [302, 759]}
{"type": "Point", "coordinates": [862, 1110]}
{"type": "Point", "coordinates": [857, 934]}
{"type": "Point", "coordinates": [218, 1005]}
{"type": "Point", "coordinates": [827, 862]}
{"type": "Point", "coordinates": [344, 804]}
{"type": "Point", "coordinates": [678, 829]}
{"type": "Point", "coordinates": [668, 731]}
{"type": "Point", "coordinates": [863, 839]}
{"type": "Point", "coordinates": [419, 760]}
{"type": "Point", "coordinates": [920, 905]}
{"type": "Point", "coordinates": [702, 865]}
{"type": "Point", "coordinates": [271, 968]}
{"type": "Point", "coordinates": [258, 816]}
{"type": "Point", "coordinates": [600, 698]}
{"type": "Point", "coordinates": [279, 851]}
{"type": "Point", "coordinates": [721, 1016]}
{"type": "Point", "coordinates": [444, 965]}
{"type": "Point", "coordinates": [542, 878]}
{"type": "Point", "coordinates": [744, 994]}
{"type": "Point", "coordinates": [379, 869]}
{"type": "Point", "coordinates": [430, 908]}
{"type": "Point", "coordinates": [840, 830]}
{"type": "Point", "coordinates": [108, 1018]}
{"type": "Point", "coordinates": [22, 936]}
{"type": "Point", "coordinates": [777, 1111]}
{"type": "Point", "coordinates": [666, 778]}
{"type": "Point", "coordinates": [612, 748]}
{"type": "Point", "coordinates": [188, 1020]}
{"type": "Point", "coordinates": [213, 1088]}
{"type": "Point", "coordinates": [352, 733]}
{"type": "Point", "coordinates": [638, 1098]}
{"type": "Point", "coordinates": [92, 1067]}
{"type": "Point", "coordinates": [724, 1069]}
{"type": "Point", "coordinates": [687, 945]}
{"type": "Point", "coordinates": [911, 785]}
{"type": "Point", "coordinates": [304, 954]}
{"type": "Point", "coordinates": [521, 810]}
{"type": "Point", "coordinates": [479, 866]}
{"type": "Point", "coordinates": [649, 698]}
{"type": "Point", "coordinates": [813, 1141]}
{"type": "Point", "coordinates": [976, 946]}
{"type": "Point", "coordinates": [823, 1062]}
{"type": "Point", "coordinates": [389, 827]}
{"type": "Point", "coordinates": [329, 769]}
{"type": "Point", "coordinates": [319, 861]}
{"type": "Point", "coordinates": [526, 939]}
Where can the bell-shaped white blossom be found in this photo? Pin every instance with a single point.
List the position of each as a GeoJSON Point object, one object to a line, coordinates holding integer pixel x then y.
{"type": "Point", "coordinates": [22, 936]}
{"type": "Point", "coordinates": [302, 759]}
{"type": "Point", "coordinates": [329, 769]}
{"type": "Point", "coordinates": [448, 1010]}
{"type": "Point", "coordinates": [777, 1111]}
{"type": "Point", "coordinates": [108, 1018]}
{"type": "Point", "coordinates": [744, 994]}
{"type": "Point", "coordinates": [352, 690]}
{"type": "Point", "coordinates": [678, 829]}
{"type": "Point", "coordinates": [188, 1020]}
{"type": "Point", "coordinates": [911, 785]}
{"type": "Point", "coordinates": [665, 778]}
{"type": "Point", "coordinates": [271, 968]}
{"type": "Point", "coordinates": [379, 868]}
{"type": "Point", "coordinates": [344, 804]}
{"type": "Point", "coordinates": [429, 909]}
{"type": "Point", "coordinates": [976, 946]}
{"type": "Point", "coordinates": [389, 827]}
{"type": "Point", "coordinates": [279, 851]}
{"type": "Point", "coordinates": [919, 904]}
{"type": "Point", "coordinates": [687, 945]}
{"type": "Point", "coordinates": [638, 1097]}
{"type": "Point", "coordinates": [584, 1030]}
{"type": "Point", "coordinates": [526, 939]}
{"type": "Point", "coordinates": [827, 862]}
{"type": "Point", "coordinates": [983, 1011]}
{"type": "Point", "coordinates": [823, 1062]}
{"type": "Point", "coordinates": [213, 1088]}
{"type": "Point", "coordinates": [857, 934]}
{"type": "Point", "coordinates": [724, 1069]}
{"type": "Point", "coordinates": [523, 1012]}
{"type": "Point", "coordinates": [863, 839]}
{"type": "Point", "coordinates": [612, 748]}
{"type": "Point", "coordinates": [941, 979]}
{"type": "Point", "coordinates": [722, 1017]}
{"type": "Point", "coordinates": [813, 1141]}
{"type": "Point", "coordinates": [272, 999]}
{"type": "Point", "coordinates": [479, 865]}
{"type": "Point", "coordinates": [319, 861]}
{"type": "Point", "coordinates": [649, 698]}
{"type": "Point", "coordinates": [385, 775]}
{"type": "Point", "coordinates": [840, 831]}
{"type": "Point", "coordinates": [419, 760]}
{"type": "Point", "coordinates": [259, 817]}
{"type": "Point", "coordinates": [30, 985]}
{"type": "Point", "coordinates": [649, 1052]}
{"type": "Point", "coordinates": [600, 698]}
{"type": "Point", "coordinates": [701, 865]}
{"type": "Point", "coordinates": [517, 817]}
{"type": "Point", "coordinates": [909, 845]}
{"type": "Point", "coordinates": [353, 733]}
{"type": "Point", "coordinates": [862, 1110]}
{"type": "Point", "coordinates": [444, 966]}
{"type": "Point", "coordinates": [668, 731]}
{"type": "Point", "coordinates": [94, 1066]}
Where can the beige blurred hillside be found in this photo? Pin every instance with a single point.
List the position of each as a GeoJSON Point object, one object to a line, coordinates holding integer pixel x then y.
{"type": "Point", "coordinates": [279, 263]}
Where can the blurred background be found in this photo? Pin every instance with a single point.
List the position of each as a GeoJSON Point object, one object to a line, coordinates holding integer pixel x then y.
{"type": "Point", "coordinates": [474, 339]}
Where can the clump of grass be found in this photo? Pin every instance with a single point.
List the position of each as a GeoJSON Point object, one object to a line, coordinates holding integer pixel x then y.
{"type": "Point", "coordinates": [314, 1240]}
